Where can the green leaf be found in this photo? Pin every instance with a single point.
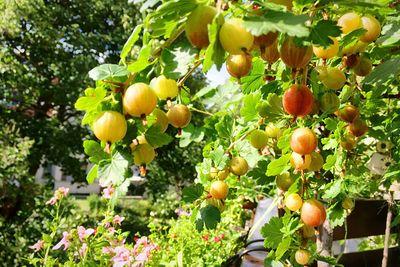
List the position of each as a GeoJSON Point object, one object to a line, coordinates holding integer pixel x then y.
{"type": "Point", "coordinates": [336, 215]}
{"type": "Point", "coordinates": [272, 263]}
{"type": "Point", "coordinates": [328, 259]}
{"type": "Point", "coordinates": [278, 166]}
{"type": "Point", "coordinates": [144, 59]}
{"type": "Point", "coordinates": [94, 151]}
{"type": "Point", "coordinates": [283, 247]}
{"type": "Point", "coordinates": [390, 33]}
{"type": "Point", "coordinates": [114, 171]}
{"type": "Point", "coordinates": [93, 97]}
{"type": "Point", "coordinates": [214, 53]}
{"type": "Point", "coordinates": [175, 8]}
{"type": "Point", "coordinates": [219, 157]}
{"type": "Point", "coordinates": [191, 134]}
{"type": "Point", "coordinates": [330, 162]}
{"type": "Point", "coordinates": [177, 59]}
{"type": "Point", "coordinates": [130, 42]}
{"type": "Point", "coordinates": [255, 79]}
{"type": "Point", "coordinates": [333, 190]}
{"type": "Point", "coordinates": [92, 174]}
{"type": "Point", "coordinates": [351, 38]}
{"type": "Point", "coordinates": [277, 21]}
{"type": "Point", "coordinates": [108, 71]}
{"type": "Point", "coordinates": [156, 138]}
{"type": "Point", "coordinates": [383, 73]}
{"type": "Point", "coordinates": [274, 109]}
{"type": "Point", "coordinates": [272, 233]}
{"type": "Point", "coordinates": [192, 193]}
{"type": "Point", "coordinates": [330, 124]}
{"type": "Point", "coordinates": [211, 216]}
{"type": "Point", "coordinates": [249, 110]}
{"type": "Point", "coordinates": [225, 127]}
{"type": "Point", "coordinates": [321, 32]}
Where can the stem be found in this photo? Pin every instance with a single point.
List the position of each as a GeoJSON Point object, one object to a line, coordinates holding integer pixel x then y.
{"type": "Point", "coordinates": [167, 43]}
{"type": "Point", "coordinates": [189, 72]}
{"type": "Point", "coordinates": [238, 140]}
{"type": "Point", "coordinates": [52, 235]}
{"type": "Point", "coordinates": [387, 230]}
{"type": "Point", "coordinates": [201, 111]}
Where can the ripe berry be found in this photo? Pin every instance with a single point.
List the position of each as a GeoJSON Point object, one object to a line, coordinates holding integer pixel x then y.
{"type": "Point", "coordinates": [295, 56]}
{"type": "Point", "coordinates": [328, 52]}
{"type": "Point", "coordinates": [303, 141]}
{"type": "Point", "coordinates": [161, 119]}
{"type": "Point", "coordinates": [332, 78]}
{"type": "Point", "coordinates": [197, 25]}
{"type": "Point", "coordinates": [300, 162]}
{"type": "Point", "coordinates": [349, 22]}
{"type": "Point", "coordinates": [364, 67]}
{"type": "Point", "coordinates": [270, 53]}
{"type": "Point", "coordinates": [164, 88]}
{"type": "Point", "coordinates": [234, 38]}
{"type": "Point", "coordinates": [179, 116]}
{"type": "Point", "coordinates": [302, 256]}
{"type": "Point", "coordinates": [373, 27]}
{"type": "Point", "coordinates": [143, 154]}
{"type": "Point", "coordinates": [293, 202]}
{"type": "Point", "coordinates": [139, 100]}
{"type": "Point", "coordinates": [238, 65]}
{"type": "Point", "coordinates": [313, 213]}
{"type": "Point", "coordinates": [239, 166]}
{"type": "Point", "coordinates": [110, 126]}
{"type": "Point", "coordinates": [219, 190]}
{"type": "Point", "coordinates": [265, 40]}
{"type": "Point", "coordinates": [358, 127]}
{"type": "Point", "coordinates": [330, 102]}
{"type": "Point", "coordinates": [298, 100]}
{"type": "Point", "coordinates": [348, 113]}
{"type": "Point", "coordinates": [284, 181]}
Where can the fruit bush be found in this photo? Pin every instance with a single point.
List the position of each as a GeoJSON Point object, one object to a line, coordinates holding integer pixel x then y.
{"type": "Point", "coordinates": [312, 110]}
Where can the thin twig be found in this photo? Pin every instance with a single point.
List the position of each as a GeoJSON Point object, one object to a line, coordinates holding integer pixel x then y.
{"type": "Point", "coordinates": [167, 43]}
{"type": "Point", "coordinates": [201, 111]}
{"type": "Point", "coordinates": [189, 72]}
{"type": "Point", "coordinates": [387, 230]}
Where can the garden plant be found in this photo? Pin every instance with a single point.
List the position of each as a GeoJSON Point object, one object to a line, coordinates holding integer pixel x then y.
{"type": "Point", "coordinates": [310, 117]}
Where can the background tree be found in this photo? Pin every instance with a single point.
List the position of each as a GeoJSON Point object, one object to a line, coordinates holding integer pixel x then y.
{"type": "Point", "coordinates": [47, 48]}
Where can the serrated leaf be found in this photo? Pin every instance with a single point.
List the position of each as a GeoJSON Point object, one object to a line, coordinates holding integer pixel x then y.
{"type": "Point", "coordinates": [225, 127]}
{"type": "Point", "coordinates": [331, 260]}
{"type": "Point", "coordinates": [113, 171]}
{"type": "Point", "coordinates": [271, 231]}
{"type": "Point", "coordinates": [390, 33]}
{"type": "Point", "coordinates": [329, 143]}
{"type": "Point", "coordinates": [219, 157]}
{"type": "Point", "coordinates": [156, 138]}
{"type": "Point", "coordinates": [92, 174]}
{"type": "Point", "coordinates": [130, 42]}
{"type": "Point", "coordinates": [277, 21]}
{"type": "Point", "coordinates": [333, 190]}
{"type": "Point", "coordinates": [274, 108]}
{"type": "Point", "coordinates": [279, 165]}
{"type": "Point", "coordinates": [191, 134]}
{"type": "Point", "coordinates": [211, 216]}
{"type": "Point", "coordinates": [144, 59]}
{"type": "Point", "coordinates": [336, 215]}
{"type": "Point", "coordinates": [192, 193]}
{"type": "Point", "coordinates": [94, 151]}
{"type": "Point", "coordinates": [351, 38]}
{"type": "Point", "coordinates": [283, 247]}
{"type": "Point", "coordinates": [249, 111]}
{"type": "Point", "coordinates": [177, 59]}
{"type": "Point", "coordinates": [93, 97]}
{"type": "Point", "coordinates": [330, 162]}
{"type": "Point", "coordinates": [175, 8]}
{"type": "Point", "coordinates": [321, 32]}
{"type": "Point", "coordinates": [108, 71]}
{"type": "Point", "coordinates": [383, 73]}
{"type": "Point", "coordinates": [214, 53]}
{"type": "Point", "coordinates": [330, 124]}
{"type": "Point", "coordinates": [255, 79]}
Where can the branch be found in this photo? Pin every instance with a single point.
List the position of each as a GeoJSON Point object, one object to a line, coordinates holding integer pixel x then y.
{"type": "Point", "coordinates": [189, 72]}
{"type": "Point", "coordinates": [387, 231]}
{"type": "Point", "coordinates": [167, 43]}
{"type": "Point", "coordinates": [201, 111]}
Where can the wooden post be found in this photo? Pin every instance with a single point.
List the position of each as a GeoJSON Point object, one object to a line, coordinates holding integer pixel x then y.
{"type": "Point", "coordinates": [387, 230]}
{"type": "Point", "coordinates": [324, 242]}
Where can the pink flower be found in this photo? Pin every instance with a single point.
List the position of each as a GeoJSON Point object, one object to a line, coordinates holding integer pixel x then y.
{"type": "Point", "coordinates": [37, 246]}
{"type": "Point", "coordinates": [64, 241]}
{"type": "Point", "coordinates": [52, 201]}
{"type": "Point", "coordinates": [205, 237]}
{"type": "Point", "coordinates": [108, 192]}
{"type": "Point", "coordinates": [58, 194]}
{"type": "Point", "coordinates": [83, 250]}
{"type": "Point", "coordinates": [107, 250]}
{"type": "Point", "coordinates": [83, 233]}
{"type": "Point", "coordinates": [122, 257]}
{"type": "Point", "coordinates": [111, 230]}
{"type": "Point", "coordinates": [118, 219]}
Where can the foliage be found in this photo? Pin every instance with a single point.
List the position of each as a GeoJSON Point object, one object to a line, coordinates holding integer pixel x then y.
{"type": "Point", "coordinates": [47, 47]}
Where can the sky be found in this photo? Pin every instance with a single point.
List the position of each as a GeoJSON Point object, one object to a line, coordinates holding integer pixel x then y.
{"type": "Point", "coordinates": [216, 77]}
